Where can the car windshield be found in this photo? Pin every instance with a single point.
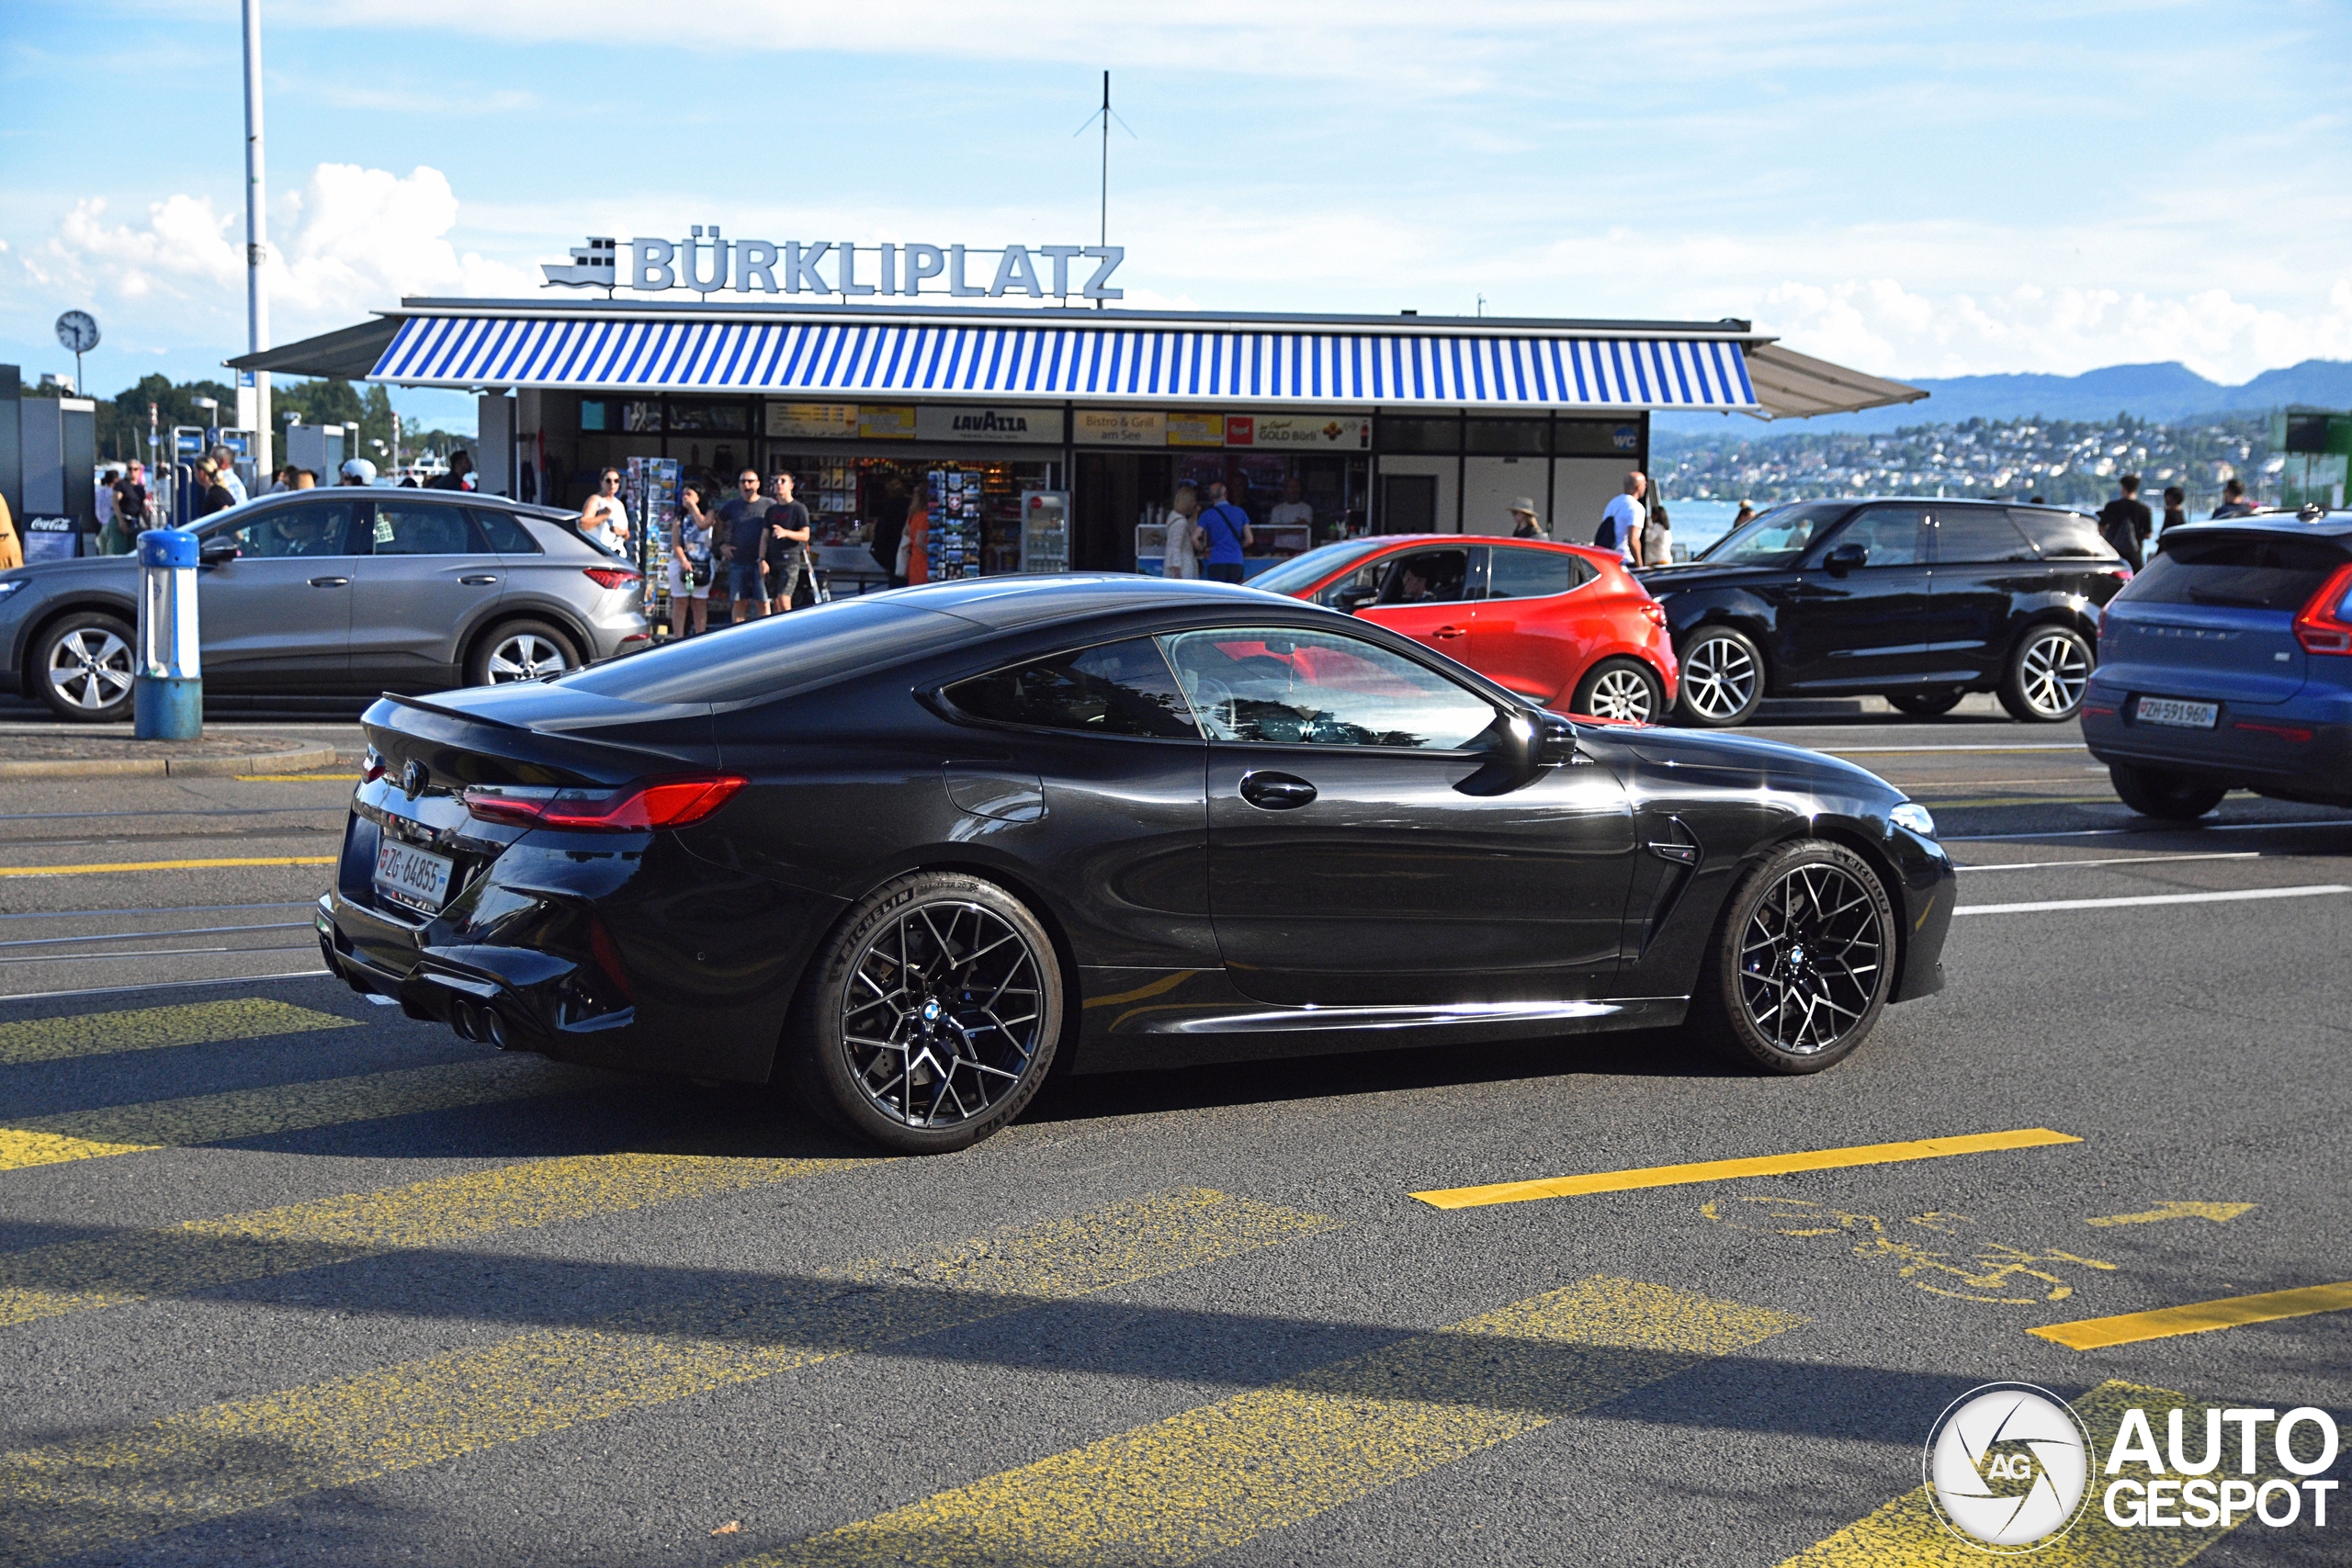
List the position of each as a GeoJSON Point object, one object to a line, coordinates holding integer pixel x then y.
{"type": "Point", "coordinates": [1780, 537]}
{"type": "Point", "coordinates": [1305, 571]}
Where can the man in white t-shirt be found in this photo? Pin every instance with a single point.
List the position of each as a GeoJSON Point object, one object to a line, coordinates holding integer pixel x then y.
{"type": "Point", "coordinates": [1293, 507]}
{"type": "Point", "coordinates": [1625, 515]}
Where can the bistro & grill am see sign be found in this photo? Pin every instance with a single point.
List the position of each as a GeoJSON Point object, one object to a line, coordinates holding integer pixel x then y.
{"type": "Point", "coordinates": [709, 264]}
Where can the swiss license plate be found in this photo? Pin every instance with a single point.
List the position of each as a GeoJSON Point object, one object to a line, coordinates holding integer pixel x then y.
{"type": "Point", "coordinates": [416, 878]}
{"type": "Point", "coordinates": [2174, 714]}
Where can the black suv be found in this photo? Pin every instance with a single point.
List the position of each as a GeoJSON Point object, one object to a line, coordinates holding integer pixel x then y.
{"type": "Point", "coordinates": [1916, 601]}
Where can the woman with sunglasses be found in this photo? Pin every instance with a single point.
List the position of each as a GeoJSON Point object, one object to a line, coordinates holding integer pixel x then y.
{"type": "Point", "coordinates": [605, 517]}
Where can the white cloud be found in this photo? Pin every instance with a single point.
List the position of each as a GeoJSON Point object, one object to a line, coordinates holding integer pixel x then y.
{"type": "Point", "coordinates": [347, 240]}
{"type": "Point", "coordinates": [1877, 325]}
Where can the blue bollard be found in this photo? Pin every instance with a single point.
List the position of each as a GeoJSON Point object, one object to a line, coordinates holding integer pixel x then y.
{"type": "Point", "coordinates": [167, 691]}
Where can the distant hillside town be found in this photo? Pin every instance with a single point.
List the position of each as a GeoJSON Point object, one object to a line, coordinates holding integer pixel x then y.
{"type": "Point", "coordinates": [2066, 462]}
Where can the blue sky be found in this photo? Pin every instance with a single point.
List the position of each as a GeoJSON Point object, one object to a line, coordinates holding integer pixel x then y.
{"type": "Point", "coordinates": [1912, 190]}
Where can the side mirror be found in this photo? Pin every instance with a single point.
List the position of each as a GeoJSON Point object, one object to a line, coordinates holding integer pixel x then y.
{"type": "Point", "coordinates": [1350, 600]}
{"type": "Point", "coordinates": [216, 552]}
{"type": "Point", "coordinates": [1514, 755]}
{"type": "Point", "coordinates": [1846, 557]}
{"type": "Point", "coordinates": [1558, 743]}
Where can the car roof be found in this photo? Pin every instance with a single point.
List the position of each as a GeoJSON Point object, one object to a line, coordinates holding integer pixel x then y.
{"type": "Point", "coordinates": [2333, 522]}
{"type": "Point", "coordinates": [1005, 602]}
{"type": "Point", "coordinates": [1388, 541]}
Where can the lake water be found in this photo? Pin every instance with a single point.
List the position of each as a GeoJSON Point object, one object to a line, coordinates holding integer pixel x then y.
{"type": "Point", "coordinates": [1696, 523]}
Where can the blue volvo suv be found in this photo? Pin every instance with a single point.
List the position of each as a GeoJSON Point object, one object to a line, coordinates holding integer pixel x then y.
{"type": "Point", "coordinates": [2227, 665]}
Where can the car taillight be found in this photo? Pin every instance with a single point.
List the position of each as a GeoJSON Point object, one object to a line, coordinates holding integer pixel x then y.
{"type": "Point", "coordinates": [371, 767]}
{"type": "Point", "coordinates": [640, 808]}
{"type": "Point", "coordinates": [1654, 613]}
{"type": "Point", "coordinates": [2325, 623]}
{"type": "Point", "coordinates": [609, 576]}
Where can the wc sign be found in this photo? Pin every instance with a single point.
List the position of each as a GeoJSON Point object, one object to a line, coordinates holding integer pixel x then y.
{"type": "Point", "coordinates": [708, 263]}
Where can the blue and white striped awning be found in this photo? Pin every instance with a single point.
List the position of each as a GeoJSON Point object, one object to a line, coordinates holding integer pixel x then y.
{"type": "Point", "coordinates": [1107, 361]}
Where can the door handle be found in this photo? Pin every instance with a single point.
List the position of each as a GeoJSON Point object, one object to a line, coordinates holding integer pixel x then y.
{"type": "Point", "coordinates": [1443, 633]}
{"type": "Point", "coordinates": [330, 583]}
{"type": "Point", "coordinates": [1276, 791]}
{"type": "Point", "coordinates": [478, 581]}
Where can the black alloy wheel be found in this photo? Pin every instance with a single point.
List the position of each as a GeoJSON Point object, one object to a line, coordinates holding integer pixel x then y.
{"type": "Point", "coordinates": [1803, 960]}
{"type": "Point", "coordinates": [930, 1018]}
{"type": "Point", "coordinates": [2152, 792]}
{"type": "Point", "coordinates": [1723, 679]}
{"type": "Point", "coordinates": [1620, 688]}
{"type": "Point", "coordinates": [1926, 703]}
{"type": "Point", "coordinates": [2048, 675]}
{"type": "Point", "coordinates": [84, 667]}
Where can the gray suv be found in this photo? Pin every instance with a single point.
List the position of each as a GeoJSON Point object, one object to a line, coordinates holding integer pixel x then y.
{"type": "Point", "coordinates": [347, 590]}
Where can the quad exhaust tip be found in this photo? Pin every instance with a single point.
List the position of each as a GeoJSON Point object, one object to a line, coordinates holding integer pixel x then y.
{"type": "Point", "coordinates": [465, 1021]}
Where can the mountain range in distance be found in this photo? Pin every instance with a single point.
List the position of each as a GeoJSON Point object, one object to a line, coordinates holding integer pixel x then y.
{"type": "Point", "coordinates": [2166, 392]}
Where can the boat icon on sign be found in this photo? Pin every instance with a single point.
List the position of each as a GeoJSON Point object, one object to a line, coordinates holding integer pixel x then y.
{"type": "Point", "coordinates": [594, 265]}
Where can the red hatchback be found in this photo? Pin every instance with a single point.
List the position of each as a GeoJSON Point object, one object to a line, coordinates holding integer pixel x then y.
{"type": "Point", "coordinates": [1563, 625]}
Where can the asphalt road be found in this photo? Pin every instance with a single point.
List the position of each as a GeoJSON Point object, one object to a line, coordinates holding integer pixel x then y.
{"type": "Point", "coordinates": [287, 1277]}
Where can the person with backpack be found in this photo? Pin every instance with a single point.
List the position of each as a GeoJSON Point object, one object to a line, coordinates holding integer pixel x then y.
{"type": "Point", "coordinates": [1225, 529]}
{"type": "Point", "coordinates": [2125, 523]}
{"type": "Point", "coordinates": [1621, 520]}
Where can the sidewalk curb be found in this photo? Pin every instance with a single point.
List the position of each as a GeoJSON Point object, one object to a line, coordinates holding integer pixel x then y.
{"type": "Point", "coordinates": [173, 767]}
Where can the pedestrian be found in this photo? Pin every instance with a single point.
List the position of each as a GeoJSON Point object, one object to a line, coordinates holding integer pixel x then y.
{"type": "Point", "coordinates": [131, 505]}
{"type": "Point", "coordinates": [743, 525]}
{"type": "Point", "coordinates": [1622, 520]}
{"type": "Point", "coordinates": [914, 559]}
{"type": "Point", "coordinates": [1524, 523]}
{"type": "Point", "coordinates": [1179, 558]}
{"type": "Point", "coordinates": [212, 492]}
{"type": "Point", "coordinates": [1222, 534]}
{"type": "Point", "coordinates": [12, 552]}
{"type": "Point", "coordinates": [224, 473]}
{"type": "Point", "coordinates": [603, 516]}
{"type": "Point", "coordinates": [357, 472]}
{"type": "Point", "coordinates": [281, 481]}
{"type": "Point", "coordinates": [2125, 524]}
{"type": "Point", "coordinates": [304, 478]}
{"type": "Point", "coordinates": [102, 499]}
{"type": "Point", "coordinates": [2233, 500]}
{"type": "Point", "coordinates": [889, 528]}
{"type": "Point", "coordinates": [787, 543]}
{"type": "Point", "coordinates": [1657, 537]}
{"type": "Point", "coordinates": [461, 468]}
{"type": "Point", "coordinates": [690, 563]}
{"type": "Point", "coordinates": [2175, 507]}
{"type": "Point", "coordinates": [1294, 507]}
{"type": "Point", "coordinates": [1743, 516]}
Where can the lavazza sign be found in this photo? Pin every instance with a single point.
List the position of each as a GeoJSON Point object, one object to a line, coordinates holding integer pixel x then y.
{"type": "Point", "coordinates": [708, 264]}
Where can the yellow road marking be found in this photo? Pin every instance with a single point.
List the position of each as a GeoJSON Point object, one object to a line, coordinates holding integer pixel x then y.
{"type": "Point", "coordinates": [1728, 1169]}
{"type": "Point", "coordinates": [2167, 1322]}
{"type": "Point", "coordinates": [1204, 1482]}
{"type": "Point", "coordinates": [1905, 1533]}
{"type": "Point", "coordinates": [2020, 800]}
{"type": "Point", "coordinates": [282, 1108]}
{"type": "Point", "coordinates": [296, 778]}
{"type": "Point", "coordinates": [147, 1029]}
{"type": "Point", "coordinates": [75, 1497]}
{"type": "Point", "coordinates": [2218, 1213]}
{"type": "Point", "coordinates": [107, 1271]}
{"type": "Point", "coordinates": [163, 866]}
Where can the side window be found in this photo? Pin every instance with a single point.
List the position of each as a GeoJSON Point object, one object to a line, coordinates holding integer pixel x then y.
{"type": "Point", "coordinates": [2063, 535]}
{"type": "Point", "coordinates": [1965, 533]}
{"type": "Point", "coordinates": [1427, 577]}
{"type": "Point", "coordinates": [421, 528]}
{"type": "Point", "coordinates": [1891, 534]}
{"type": "Point", "coordinates": [1295, 688]}
{"type": "Point", "coordinates": [506, 531]}
{"type": "Point", "coordinates": [1514, 573]}
{"type": "Point", "coordinates": [310, 528]}
{"type": "Point", "coordinates": [1122, 688]}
